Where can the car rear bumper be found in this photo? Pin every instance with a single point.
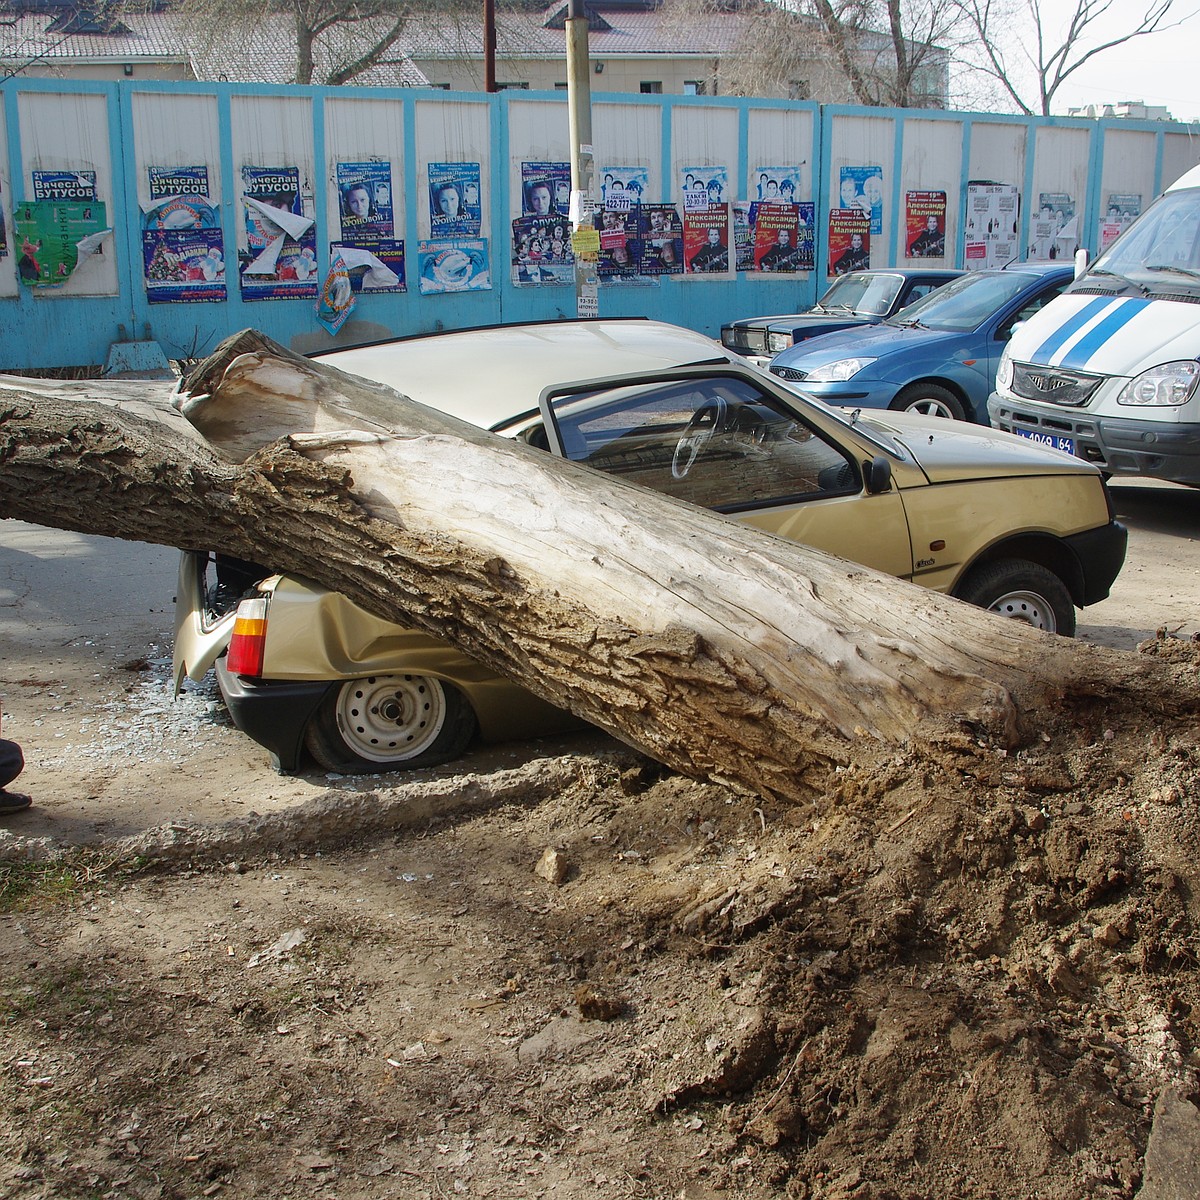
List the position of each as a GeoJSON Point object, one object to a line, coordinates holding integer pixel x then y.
{"type": "Point", "coordinates": [1119, 445]}
{"type": "Point", "coordinates": [274, 713]}
{"type": "Point", "coordinates": [1101, 554]}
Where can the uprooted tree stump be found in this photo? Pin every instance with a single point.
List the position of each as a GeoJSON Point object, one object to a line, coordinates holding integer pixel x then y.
{"type": "Point", "coordinates": [717, 649]}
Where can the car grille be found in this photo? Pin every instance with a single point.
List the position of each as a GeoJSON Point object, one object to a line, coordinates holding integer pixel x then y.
{"type": "Point", "coordinates": [1053, 385]}
{"type": "Point", "coordinates": [789, 373]}
{"type": "Point", "coordinates": [747, 341]}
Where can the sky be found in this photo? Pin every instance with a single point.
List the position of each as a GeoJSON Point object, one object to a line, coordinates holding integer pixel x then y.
{"type": "Point", "coordinates": [1160, 69]}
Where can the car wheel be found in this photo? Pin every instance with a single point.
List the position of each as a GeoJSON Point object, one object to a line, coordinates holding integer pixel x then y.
{"type": "Point", "coordinates": [931, 400]}
{"type": "Point", "coordinates": [388, 723]}
{"type": "Point", "coordinates": [1024, 591]}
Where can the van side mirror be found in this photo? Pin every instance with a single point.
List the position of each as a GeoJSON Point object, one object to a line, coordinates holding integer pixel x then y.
{"type": "Point", "coordinates": [878, 475]}
{"type": "Point", "coordinates": [1081, 262]}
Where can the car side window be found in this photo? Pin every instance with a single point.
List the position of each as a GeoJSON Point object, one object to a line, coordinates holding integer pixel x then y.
{"type": "Point", "coordinates": [718, 442]}
{"type": "Point", "coordinates": [917, 291]}
{"type": "Point", "coordinates": [1004, 331]}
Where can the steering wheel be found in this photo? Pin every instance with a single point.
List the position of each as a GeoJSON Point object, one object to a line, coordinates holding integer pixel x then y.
{"type": "Point", "coordinates": [706, 421]}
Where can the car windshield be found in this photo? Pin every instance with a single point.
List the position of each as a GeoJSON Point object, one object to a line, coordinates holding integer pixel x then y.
{"type": "Point", "coordinates": [1166, 238]}
{"type": "Point", "coordinates": [966, 302]}
{"type": "Point", "coordinates": [869, 293]}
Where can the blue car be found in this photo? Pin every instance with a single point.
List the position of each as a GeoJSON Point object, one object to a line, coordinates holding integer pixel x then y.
{"type": "Point", "coordinates": [938, 356]}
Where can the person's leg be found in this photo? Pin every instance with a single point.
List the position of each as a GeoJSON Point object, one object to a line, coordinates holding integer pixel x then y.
{"type": "Point", "coordinates": [12, 762]}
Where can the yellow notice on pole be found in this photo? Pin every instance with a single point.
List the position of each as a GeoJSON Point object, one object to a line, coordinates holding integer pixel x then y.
{"type": "Point", "coordinates": [586, 240]}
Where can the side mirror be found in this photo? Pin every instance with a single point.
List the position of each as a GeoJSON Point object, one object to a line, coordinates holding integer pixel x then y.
{"type": "Point", "coordinates": [1081, 262]}
{"type": "Point", "coordinates": [878, 475]}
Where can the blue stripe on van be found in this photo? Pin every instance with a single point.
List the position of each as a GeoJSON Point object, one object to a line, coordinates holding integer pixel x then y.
{"type": "Point", "coordinates": [1122, 313]}
{"type": "Point", "coordinates": [1068, 329]}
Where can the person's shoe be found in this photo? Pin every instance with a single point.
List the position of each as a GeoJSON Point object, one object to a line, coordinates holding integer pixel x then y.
{"type": "Point", "coordinates": [13, 802]}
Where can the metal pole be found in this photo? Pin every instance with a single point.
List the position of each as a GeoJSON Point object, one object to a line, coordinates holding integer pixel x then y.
{"type": "Point", "coordinates": [586, 240]}
{"type": "Point", "coordinates": [489, 45]}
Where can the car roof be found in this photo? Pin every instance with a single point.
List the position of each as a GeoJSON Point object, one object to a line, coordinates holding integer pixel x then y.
{"type": "Point", "coordinates": [491, 375]}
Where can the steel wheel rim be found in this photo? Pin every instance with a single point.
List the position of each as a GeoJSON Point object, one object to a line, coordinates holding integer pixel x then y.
{"type": "Point", "coordinates": [1029, 607]}
{"type": "Point", "coordinates": [386, 718]}
{"type": "Point", "coordinates": [929, 407]}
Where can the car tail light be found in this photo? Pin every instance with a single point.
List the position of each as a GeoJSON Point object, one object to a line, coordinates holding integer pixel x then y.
{"type": "Point", "coordinates": [249, 638]}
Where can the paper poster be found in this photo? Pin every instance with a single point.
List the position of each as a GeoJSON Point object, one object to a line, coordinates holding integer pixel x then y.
{"type": "Point", "coordinates": [620, 244]}
{"type": "Point", "coordinates": [453, 265]}
{"type": "Point", "coordinates": [925, 224]}
{"type": "Point", "coordinates": [372, 266]}
{"type": "Point", "coordinates": [849, 240]}
{"type": "Point", "coordinates": [706, 240]}
{"type": "Point", "coordinates": [365, 201]}
{"type": "Point", "coordinates": [545, 188]}
{"type": "Point", "coordinates": [743, 235]}
{"type": "Point", "coordinates": [1120, 212]}
{"type": "Point", "coordinates": [68, 186]}
{"type": "Point", "coordinates": [623, 188]}
{"type": "Point", "coordinates": [3, 235]}
{"type": "Point", "coordinates": [703, 187]}
{"type": "Point", "coordinates": [280, 262]}
{"type": "Point", "coordinates": [183, 265]}
{"type": "Point", "coordinates": [179, 199]}
{"type": "Point", "coordinates": [542, 251]}
{"type": "Point", "coordinates": [336, 300]}
{"type": "Point", "coordinates": [660, 237]}
{"type": "Point", "coordinates": [54, 238]}
{"type": "Point", "coordinates": [776, 234]}
{"type": "Point", "coordinates": [992, 224]}
{"type": "Point", "coordinates": [776, 183]}
{"type": "Point", "coordinates": [455, 207]}
{"type": "Point", "coordinates": [1052, 229]}
{"type": "Point", "coordinates": [862, 188]}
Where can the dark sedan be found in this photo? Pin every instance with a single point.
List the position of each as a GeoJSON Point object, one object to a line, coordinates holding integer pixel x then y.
{"type": "Point", "coordinates": [859, 298]}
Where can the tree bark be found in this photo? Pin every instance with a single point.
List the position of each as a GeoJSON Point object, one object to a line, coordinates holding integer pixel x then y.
{"type": "Point", "coordinates": [723, 652]}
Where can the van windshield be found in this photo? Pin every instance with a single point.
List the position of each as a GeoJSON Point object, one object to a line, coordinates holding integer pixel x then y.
{"type": "Point", "coordinates": [1165, 238]}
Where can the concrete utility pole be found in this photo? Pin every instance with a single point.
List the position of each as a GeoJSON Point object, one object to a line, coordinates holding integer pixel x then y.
{"type": "Point", "coordinates": [586, 239]}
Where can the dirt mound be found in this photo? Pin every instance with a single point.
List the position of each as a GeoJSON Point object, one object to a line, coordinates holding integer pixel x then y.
{"type": "Point", "coordinates": [957, 973]}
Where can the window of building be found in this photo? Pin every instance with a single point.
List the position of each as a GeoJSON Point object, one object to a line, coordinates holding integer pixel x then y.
{"type": "Point", "coordinates": [505, 87]}
{"type": "Point", "coordinates": [798, 89]}
{"type": "Point", "coordinates": [560, 87]}
{"type": "Point", "coordinates": [651, 87]}
{"type": "Point", "coordinates": [694, 87]}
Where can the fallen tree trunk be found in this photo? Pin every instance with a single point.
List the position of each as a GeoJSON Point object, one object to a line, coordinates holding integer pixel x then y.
{"type": "Point", "coordinates": [719, 650]}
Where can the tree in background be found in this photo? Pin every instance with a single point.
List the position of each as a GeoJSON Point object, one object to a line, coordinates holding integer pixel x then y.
{"type": "Point", "coordinates": [1010, 38]}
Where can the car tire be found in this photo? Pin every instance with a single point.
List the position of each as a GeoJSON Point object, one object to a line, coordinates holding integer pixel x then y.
{"type": "Point", "coordinates": [930, 400]}
{"type": "Point", "coordinates": [390, 723]}
{"type": "Point", "coordinates": [1025, 591]}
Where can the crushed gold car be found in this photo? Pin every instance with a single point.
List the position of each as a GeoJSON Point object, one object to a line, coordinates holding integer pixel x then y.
{"type": "Point", "coordinates": [981, 515]}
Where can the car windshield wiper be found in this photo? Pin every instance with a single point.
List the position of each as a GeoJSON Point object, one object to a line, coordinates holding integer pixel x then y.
{"type": "Point", "coordinates": [1141, 287]}
{"type": "Point", "coordinates": [1190, 272]}
{"type": "Point", "coordinates": [913, 324]}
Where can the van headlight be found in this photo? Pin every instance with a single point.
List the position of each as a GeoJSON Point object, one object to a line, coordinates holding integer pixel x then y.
{"type": "Point", "coordinates": [778, 341]}
{"type": "Point", "coordinates": [835, 372]}
{"type": "Point", "coordinates": [1004, 372]}
{"type": "Point", "coordinates": [1168, 383]}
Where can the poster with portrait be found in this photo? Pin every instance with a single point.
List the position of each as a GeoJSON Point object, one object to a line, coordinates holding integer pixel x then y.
{"type": "Point", "coordinates": [68, 187]}
{"type": "Point", "coordinates": [623, 188]}
{"type": "Point", "coordinates": [776, 234]}
{"type": "Point", "coordinates": [620, 245]}
{"type": "Point", "coordinates": [776, 184]}
{"type": "Point", "coordinates": [280, 259]}
{"type": "Point", "coordinates": [376, 266]}
{"type": "Point", "coordinates": [365, 201]}
{"type": "Point", "coordinates": [1052, 229]}
{"type": "Point", "coordinates": [660, 240]}
{"type": "Point", "coordinates": [55, 238]}
{"type": "Point", "coordinates": [743, 235]}
{"type": "Point", "coordinates": [545, 188]}
{"type": "Point", "coordinates": [1119, 214]}
{"type": "Point", "coordinates": [992, 224]}
{"type": "Point", "coordinates": [862, 188]}
{"type": "Point", "coordinates": [703, 187]}
{"type": "Point", "coordinates": [453, 265]}
{"type": "Point", "coordinates": [925, 224]}
{"type": "Point", "coordinates": [455, 199]}
{"type": "Point", "coordinates": [706, 240]}
{"type": "Point", "coordinates": [542, 251]}
{"type": "Point", "coordinates": [849, 240]}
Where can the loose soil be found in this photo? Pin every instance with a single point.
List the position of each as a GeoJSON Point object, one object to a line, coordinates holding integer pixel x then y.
{"type": "Point", "coordinates": [556, 969]}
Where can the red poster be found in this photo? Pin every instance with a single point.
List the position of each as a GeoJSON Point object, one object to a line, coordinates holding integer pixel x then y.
{"type": "Point", "coordinates": [849, 240]}
{"type": "Point", "coordinates": [706, 240]}
{"type": "Point", "coordinates": [925, 224]}
{"type": "Point", "coordinates": [776, 228]}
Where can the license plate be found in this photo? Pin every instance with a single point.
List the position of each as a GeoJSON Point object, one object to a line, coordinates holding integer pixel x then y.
{"type": "Point", "coordinates": [1053, 440]}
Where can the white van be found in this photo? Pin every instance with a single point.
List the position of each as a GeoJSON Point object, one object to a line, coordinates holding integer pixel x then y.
{"type": "Point", "coordinates": [1108, 371]}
